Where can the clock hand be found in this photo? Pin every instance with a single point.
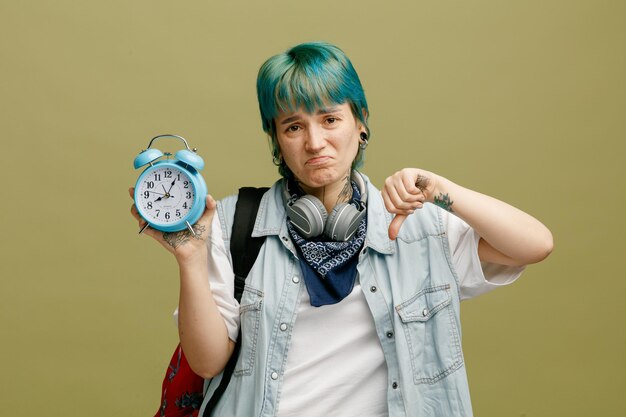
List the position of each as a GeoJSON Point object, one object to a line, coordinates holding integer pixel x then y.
{"type": "Point", "coordinates": [173, 182]}
{"type": "Point", "coordinates": [155, 192]}
{"type": "Point", "coordinates": [161, 198]}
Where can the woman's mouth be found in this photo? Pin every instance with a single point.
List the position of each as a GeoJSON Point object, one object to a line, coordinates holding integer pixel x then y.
{"type": "Point", "coordinates": [318, 160]}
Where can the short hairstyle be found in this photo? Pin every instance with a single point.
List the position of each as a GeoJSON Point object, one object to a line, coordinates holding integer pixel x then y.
{"type": "Point", "coordinates": [310, 75]}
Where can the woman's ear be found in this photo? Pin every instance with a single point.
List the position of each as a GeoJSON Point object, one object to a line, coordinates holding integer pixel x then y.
{"type": "Point", "coordinates": [362, 124]}
{"type": "Point", "coordinates": [364, 140]}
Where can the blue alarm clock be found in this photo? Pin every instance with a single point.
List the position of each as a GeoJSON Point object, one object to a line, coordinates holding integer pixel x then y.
{"type": "Point", "coordinates": [170, 194]}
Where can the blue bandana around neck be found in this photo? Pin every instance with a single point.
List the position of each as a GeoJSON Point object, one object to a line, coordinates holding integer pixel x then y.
{"type": "Point", "coordinates": [329, 268]}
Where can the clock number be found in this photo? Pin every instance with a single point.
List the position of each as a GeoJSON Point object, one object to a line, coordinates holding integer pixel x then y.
{"type": "Point", "coordinates": [178, 177]}
{"type": "Point", "coordinates": [167, 215]}
{"type": "Point", "coordinates": [150, 184]}
{"type": "Point", "coordinates": [177, 212]}
{"type": "Point", "coordinates": [157, 212]}
{"type": "Point", "coordinates": [168, 174]}
{"type": "Point", "coordinates": [185, 205]}
{"type": "Point", "coordinates": [188, 194]}
{"type": "Point", "coordinates": [146, 194]}
{"type": "Point", "coordinates": [157, 177]}
{"type": "Point", "coordinates": [186, 184]}
{"type": "Point", "coordinates": [150, 205]}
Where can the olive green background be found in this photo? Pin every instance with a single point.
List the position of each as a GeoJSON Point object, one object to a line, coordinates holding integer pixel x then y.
{"type": "Point", "coordinates": [522, 100]}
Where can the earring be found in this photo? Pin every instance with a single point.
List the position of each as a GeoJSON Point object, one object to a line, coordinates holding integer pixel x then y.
{"type": "Point", "coordinates": [277, 160]}
{"type": "Point", "coordinates": [364, 140]}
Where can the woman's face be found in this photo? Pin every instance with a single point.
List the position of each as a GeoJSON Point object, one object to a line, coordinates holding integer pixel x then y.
{"type": "Point", "coordinates": [319, 147]}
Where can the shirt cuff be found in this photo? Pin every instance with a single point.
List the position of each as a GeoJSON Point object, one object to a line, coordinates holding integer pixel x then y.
{"type": "Point", "coordinates": [487, 276]}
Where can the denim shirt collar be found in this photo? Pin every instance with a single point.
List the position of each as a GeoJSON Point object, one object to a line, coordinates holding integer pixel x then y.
{"type": "Point", "coordinates": [271, 218]}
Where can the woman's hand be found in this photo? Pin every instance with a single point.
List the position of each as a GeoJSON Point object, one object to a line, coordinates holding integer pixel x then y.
{"type": "Point", "coordinates": [406, 191]}
{"type": "Point", "coordinates": [183, 245]}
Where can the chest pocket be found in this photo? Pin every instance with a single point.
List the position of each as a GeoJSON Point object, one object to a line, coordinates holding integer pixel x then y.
{"type": "Point", "coordinates": [432, 335]}
{"type": "Point", "coordinates": [250, 316]}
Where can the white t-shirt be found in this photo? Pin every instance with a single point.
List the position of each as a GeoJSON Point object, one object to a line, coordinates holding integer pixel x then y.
{"type": "Point", "coordinates": [331, 344]}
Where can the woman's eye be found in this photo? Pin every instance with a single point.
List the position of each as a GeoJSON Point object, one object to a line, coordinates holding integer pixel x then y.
{"type": "Point", "coordinates": [293, 128]}
{"type": "Point", "coordinates": [331, 120]}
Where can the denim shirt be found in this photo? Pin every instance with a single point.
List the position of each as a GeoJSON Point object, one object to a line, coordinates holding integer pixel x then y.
{"type": "Point", "coordinates": [411, 289]}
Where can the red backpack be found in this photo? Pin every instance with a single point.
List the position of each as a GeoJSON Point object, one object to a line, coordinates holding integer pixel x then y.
{"type": "Point", "coordinates": [182, 391]}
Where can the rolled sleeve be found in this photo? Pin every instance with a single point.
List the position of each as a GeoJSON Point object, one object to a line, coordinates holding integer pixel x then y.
{"type": "Point", "coordinates": [475, 277]}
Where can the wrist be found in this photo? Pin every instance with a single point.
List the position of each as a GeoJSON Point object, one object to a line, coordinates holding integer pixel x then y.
{"type": "Point", "coordinates": [443, 193]}
{"type": "Point", "coordinates": [192, 259]}
{"type": "Point", "coordinates": [435, 186]}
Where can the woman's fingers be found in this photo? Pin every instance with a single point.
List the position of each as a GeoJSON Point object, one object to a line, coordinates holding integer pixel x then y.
{"type": "Point", "coordinates": [401, 195]}
{"type": "Point", "coordinates": [409, 183]}
{"type": "Point", "coordinates": [211, 205]}
{"type": "Point", "coordinates": [407, 187]}
{"type": "Point", "coordinates": [209, 211]}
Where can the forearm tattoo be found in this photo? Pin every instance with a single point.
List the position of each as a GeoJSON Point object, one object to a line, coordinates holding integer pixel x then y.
{"type": "Point", "coordinates": [346, 192]}
{"type": "Point", "coordinates": [176, 239]}
{"type": "Point", "coordinates": [443, 201]}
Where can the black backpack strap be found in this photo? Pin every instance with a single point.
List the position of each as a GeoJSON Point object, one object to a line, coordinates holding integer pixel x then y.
{"type": "Point", "coordinates": [243, 247]}
{"type": "Point", "coordinates": [244, 250]}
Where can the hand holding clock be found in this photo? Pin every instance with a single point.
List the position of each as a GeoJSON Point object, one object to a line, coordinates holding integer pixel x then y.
{"type": "Point", "coordinates": [183, 244]}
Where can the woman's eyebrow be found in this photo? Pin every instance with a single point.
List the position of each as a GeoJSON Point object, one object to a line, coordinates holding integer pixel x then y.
{"type": "Point", "coordinates": [290, 119]}
{"type": "Point", "coordinates": [327, 111]}
{"type": "Point", "coordinates": [319, 112]}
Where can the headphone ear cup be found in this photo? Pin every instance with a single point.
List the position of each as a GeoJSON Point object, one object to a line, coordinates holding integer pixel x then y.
{"type": "Point", "coordinates": [308, 215]}
{"type": "Point", "coordinates": [343, 222]}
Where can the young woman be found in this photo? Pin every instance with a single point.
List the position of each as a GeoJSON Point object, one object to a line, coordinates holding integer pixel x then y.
{"type": "Point", "coordinates": [352, 306]}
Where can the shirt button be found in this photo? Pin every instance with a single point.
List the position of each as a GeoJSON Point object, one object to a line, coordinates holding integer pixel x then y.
{"type": "Point", "coordinates": [274, 375]}
{"type": "Point", "coordinates": [425, 312]}
{"type": "Point", "coordinates": [394, 385]}
{"type": "Point", "coordinates": [373, 288]}
{"type": "Point", "coordinates": [390, 334]}
{"type": "Point", "coordinates": [295, 279]}
{"type": "Point", "coordinates": [283, 327]}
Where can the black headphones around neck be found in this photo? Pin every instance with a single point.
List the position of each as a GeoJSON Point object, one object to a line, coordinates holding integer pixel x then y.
{"type": "Point", "coordinates": [308, 214]}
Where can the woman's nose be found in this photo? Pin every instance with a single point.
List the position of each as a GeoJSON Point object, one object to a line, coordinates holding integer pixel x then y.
{"type": "Point", "coordinates": [316, 141]}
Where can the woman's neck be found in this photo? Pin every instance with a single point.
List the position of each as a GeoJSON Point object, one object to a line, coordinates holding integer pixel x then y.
{"type": "Point", "coordinates": [332, 194]}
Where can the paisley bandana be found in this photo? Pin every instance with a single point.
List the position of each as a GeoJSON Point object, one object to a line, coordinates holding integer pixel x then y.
{"type": "Point", "coordinates": [329, 268]}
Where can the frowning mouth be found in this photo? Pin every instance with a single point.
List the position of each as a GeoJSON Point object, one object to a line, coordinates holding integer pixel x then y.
{"type": "Point", "coordinates": [318, 160]}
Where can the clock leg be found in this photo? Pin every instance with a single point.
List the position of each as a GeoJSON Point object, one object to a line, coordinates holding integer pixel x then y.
{"type": "Point", "coordinates": [191, 229]}
{"type": "Point", "coordinates": [143, 228]}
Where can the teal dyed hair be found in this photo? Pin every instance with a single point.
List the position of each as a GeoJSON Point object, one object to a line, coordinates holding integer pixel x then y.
{"type": "Point", "coordinates": [310, 76]}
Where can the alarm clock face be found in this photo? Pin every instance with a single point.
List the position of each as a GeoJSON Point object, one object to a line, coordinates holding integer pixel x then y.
{"type": "Point", "coordinates": [165, 195]}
